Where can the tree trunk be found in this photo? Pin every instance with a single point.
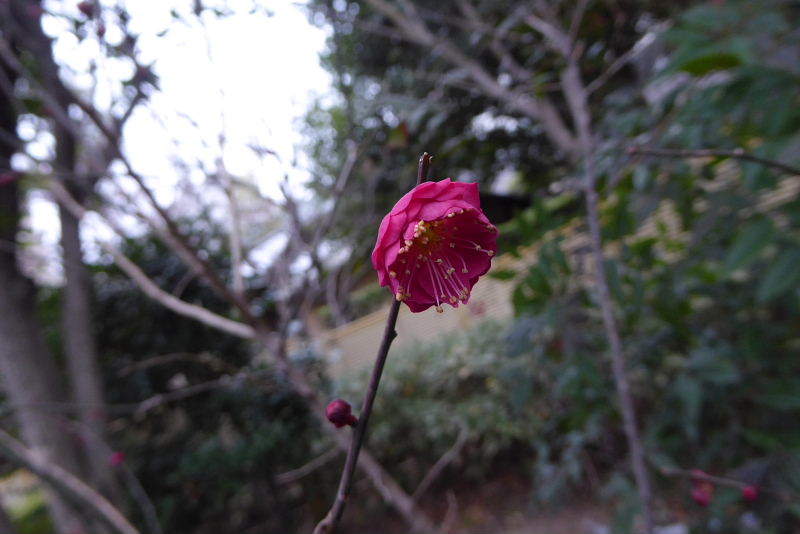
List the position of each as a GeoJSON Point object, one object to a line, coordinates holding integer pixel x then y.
{"type": "Point", "coordinates": [76, 330]}
{"type": "Point", "coordinates": [29, 373]}
{"type": "Point", "coordinates": [81, 356]}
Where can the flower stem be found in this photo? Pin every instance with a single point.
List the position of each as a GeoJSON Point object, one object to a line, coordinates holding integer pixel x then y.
{"type": "Point", "coordinates": [331, 520]}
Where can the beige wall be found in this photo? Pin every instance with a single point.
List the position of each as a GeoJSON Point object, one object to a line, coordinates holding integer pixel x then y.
{"type": "Point", "coordinates": [356, 343]}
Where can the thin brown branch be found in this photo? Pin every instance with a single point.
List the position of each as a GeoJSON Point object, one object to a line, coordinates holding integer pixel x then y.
{"type": "Point", "coordinates": [65, 483]}
{"type": "Point", "coordinates": [304, 470]}
{"type": "Point", "coordinates": [724, 481]}
{"type": "Point", "coordinates": [451, 515]}
{"type": "Point", "coordinates": [331, 521]}
{"type": "Point", "coordinates": [538, 108]}
{"type": "Point", "coordinates": [149, 287]}
{"type": "Point", "coordinates": [57, 110]}
{"type": "Point", "coordinates": [575, 23]}
{"type": "Point", "coordinates": [179, 394]}
{"type": "Point", "coordinates": [174, 237]}
{"type": "Point", "coordinates": [135, 488]}
{"type": "Point", "coordinates": [737, 153]}
{"type": "Point", "coordinates": [162, 359]}
{"type": "Point", "coordinates": [622, 385]}
{"type": "Point", "coordinates": [446, 459]}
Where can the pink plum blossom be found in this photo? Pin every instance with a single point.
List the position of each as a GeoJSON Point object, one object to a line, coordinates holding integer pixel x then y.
{"type": "Point", "coordinates": [434, 245]}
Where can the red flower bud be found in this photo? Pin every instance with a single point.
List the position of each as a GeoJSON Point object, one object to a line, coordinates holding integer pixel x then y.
{"type": "Point", "coordinates": [86, 7]}
{"type": "Point", "coordinates": [750, 493]}
{"type": "Point", "coordinates": [116, 459]}
{"type": "Point", "coordinates": [702, 494]}
{"type": "Point", "coordinates": [340, 414]}
{"type": "Point", "coordinates": [8, 177]}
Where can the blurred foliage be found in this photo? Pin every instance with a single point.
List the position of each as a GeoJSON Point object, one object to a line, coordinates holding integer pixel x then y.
{"type": "Point", "coordinates": [522, 413]}
{"type": "Point", "coordinates": [704, 269]}
{"type": "Point", "coordinates": [706, 263]}
{"type": "Point", "coordinates": [393, 100]}
{"type": "Point", "coordinates": [209, 460]}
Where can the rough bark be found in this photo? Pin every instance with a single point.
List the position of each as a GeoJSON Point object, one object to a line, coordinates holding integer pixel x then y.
{"type": "Point", "coordinates": [81, 354]}
{"type": "Point", "coordinates": [29, 373]}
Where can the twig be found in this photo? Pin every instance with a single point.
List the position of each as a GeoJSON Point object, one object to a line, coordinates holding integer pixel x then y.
{"type": "Point", "coordinates": [149, 287]}
{"type": "Point", "coordinates": [437, 468]}
{"type": "Point", "coordinates": [195, 389]}
{"type": "Point", "coordinates": [737, 153]}
{"type": "Point", "coordinates": [617, 356]}
{"type": "Point", "coordinates": [135, 488]}
{"type": "Point", "coordinates": [330, 522]}
{"type": "Point", "coordinates": [539, 108]}
{"type": "Point", "coordinates": [629, 55]}
{"type": "Point", "coordinates": [203, 357]}
{"type": "Point", "coordinates": [724, 481]}
{"type": "Point", "coordinates": [65, 483]}
{"type": "Point", "coordinates": [452, 512]}
{"type": "Point", "coordinates": [308, 468]}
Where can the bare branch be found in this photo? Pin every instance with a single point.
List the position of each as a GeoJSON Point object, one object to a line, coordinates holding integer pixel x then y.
{"type": "Point", "coordinates": [617, 355]}
{"type": "Point", "coordinates": [724, 481]}
{"type": "Point", "coordinates": [554, 36]}
{"type": "Point", "coordinates": [296, 474]}
{"type": "Point", "coordinates": [203, 357]}
{"type": "Point", "coordinates": [540, 109]}
{"type": "Point", "coordinates": [737, 153]}
{"type": "Point", "coordinates": [448, 457]}
{"type": "Point", "coordinates": [176, 239]}
{"type": "Point", "coordinates": [65, 483]}
{"type": "Point", "coordinates": [57, 110]}
{"type": "Point", "coordinates": [149, 287]}
{"type": "Point", "coordinates": [575, 23]}
{"type": "Point", "coordinates": [179, 394]}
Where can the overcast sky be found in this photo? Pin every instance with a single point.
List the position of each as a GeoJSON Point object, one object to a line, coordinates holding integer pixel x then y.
{"type": "Point", "coordinates": [252, 75]}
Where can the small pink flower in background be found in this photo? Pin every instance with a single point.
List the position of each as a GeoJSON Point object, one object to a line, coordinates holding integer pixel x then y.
{"type": "Point", "coordinates": [340, 413]}
{"type": "Point", "coordinates": [8, 177]}
{"type": "Point", "coordinates": [702, 488]}
{"type": "Point", "coordinates": [434, 245]}
{"type": "Point", "coordinates": [478, 308]}
{"type": "Point", "coordinates": [750, 493]}
{"type": "Point", "coordinates": [86, 7]}
{"type": "Point", "coordinates": [702, 495]}
{"type": "Point", "coordinates": [116, 459]}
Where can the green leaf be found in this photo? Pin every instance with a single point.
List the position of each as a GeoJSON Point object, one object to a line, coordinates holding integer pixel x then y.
{"type": "Point", "coordinates": [503, 274]}
{"type": "Point", "coordinates": [701, 65]}
{"type": "Point", "coordinates": [748, 244]}
{"type": "Point", "coordinates": [782, 276]}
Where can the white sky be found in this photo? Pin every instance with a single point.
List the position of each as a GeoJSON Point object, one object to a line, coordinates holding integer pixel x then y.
{"type": "Point", "coordinates": [262, 75]}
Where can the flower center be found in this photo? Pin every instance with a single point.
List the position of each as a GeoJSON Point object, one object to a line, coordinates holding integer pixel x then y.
{"type": "Point", "coordinates": [436, 253]}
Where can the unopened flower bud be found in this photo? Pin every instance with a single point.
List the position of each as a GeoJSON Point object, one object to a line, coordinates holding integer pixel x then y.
{"type": "Point", "coordinates": [702, 495]}
{"type": "Point", "coordinates": [750, 493]}
{"type": "Point", "coordinates": [86, 7]}
{"type": "Point", "coordinates": [8, 177]}
{"type": "Point", "coordinates": [116, 459]}
{"type": "Point", "coordinates": [340, 413]}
